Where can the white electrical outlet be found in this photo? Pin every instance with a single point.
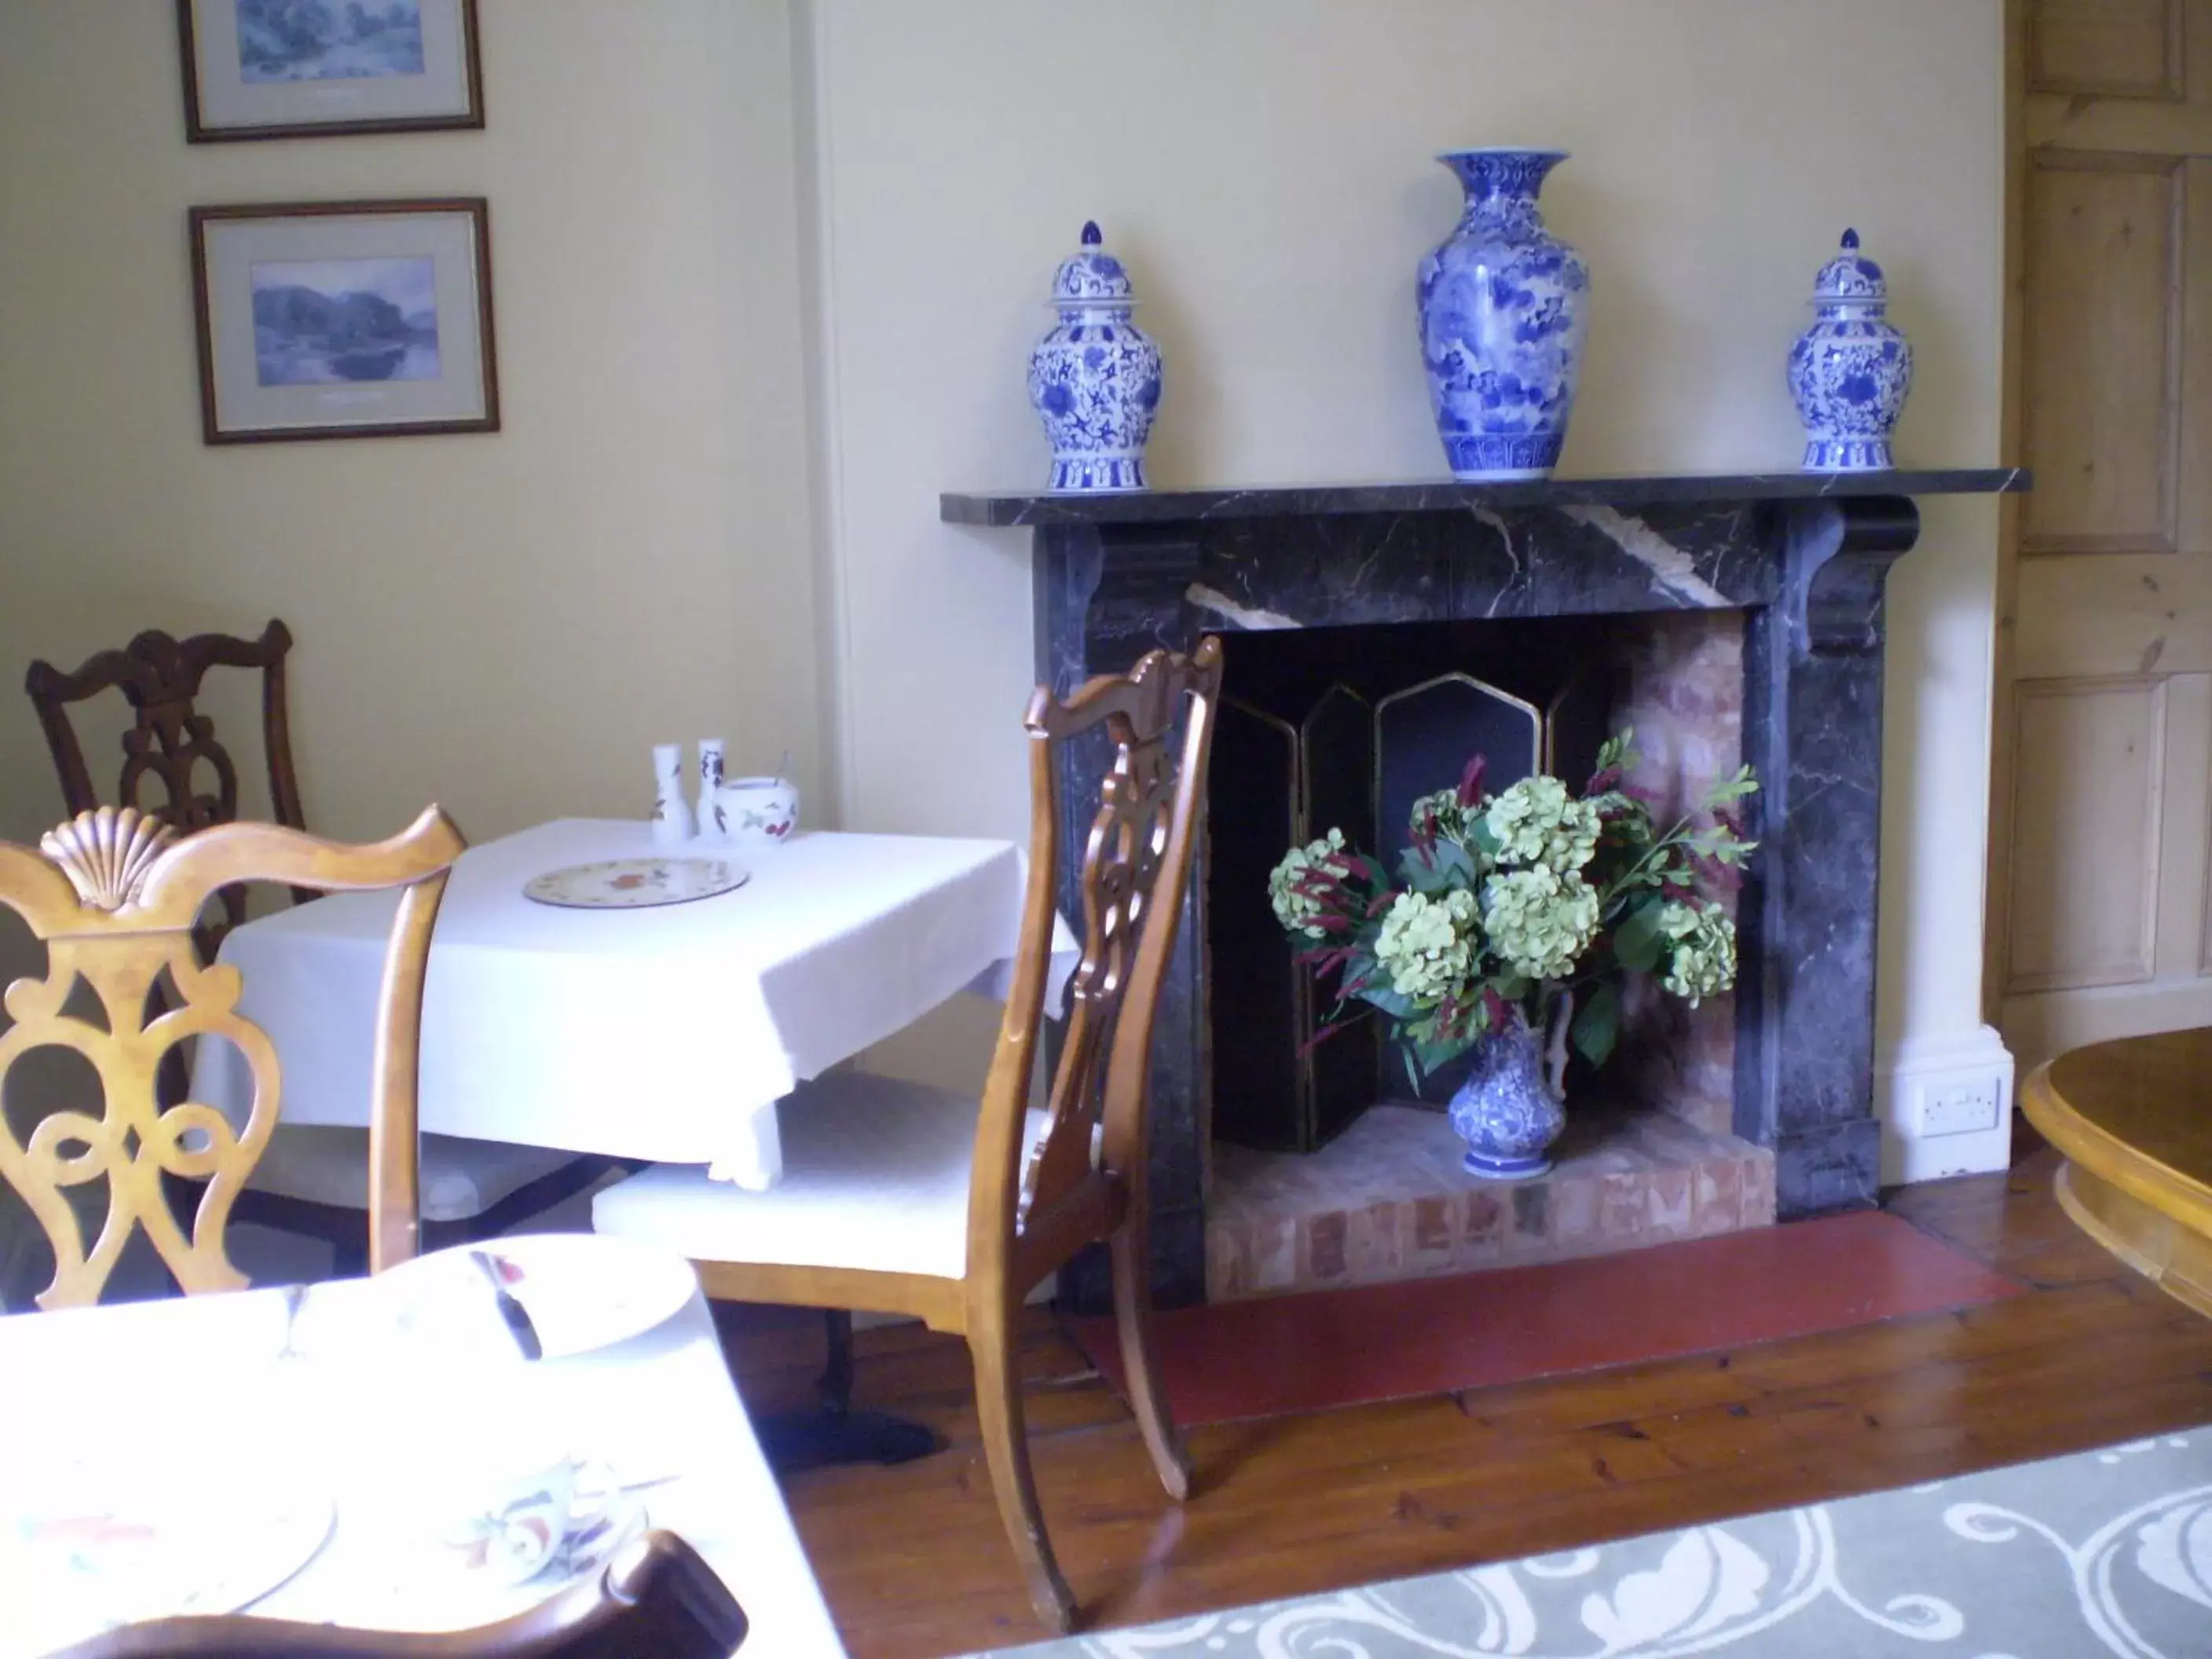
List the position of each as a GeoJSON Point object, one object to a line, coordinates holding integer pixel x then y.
{"type": "Point", "coordinates": [1959, 1106]}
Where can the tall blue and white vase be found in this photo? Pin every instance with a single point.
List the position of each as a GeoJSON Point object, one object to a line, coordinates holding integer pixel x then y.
{"type": "Point", "coordinates": [1094, 378]}
{"type": "Point", "coordinates": [1504, 307]}
{"type": "Point", "coordinates": [1850, 370]}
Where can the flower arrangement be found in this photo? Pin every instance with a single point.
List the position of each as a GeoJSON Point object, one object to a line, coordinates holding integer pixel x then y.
{"type": "Point", "coordinates": [1521, 911]}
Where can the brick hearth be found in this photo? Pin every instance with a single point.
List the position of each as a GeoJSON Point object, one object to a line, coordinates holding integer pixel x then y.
{"type": "Point", "coordinates": [1386, 1200]}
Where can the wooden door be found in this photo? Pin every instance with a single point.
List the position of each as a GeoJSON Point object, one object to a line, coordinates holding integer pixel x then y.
{"type": "Point", "coordinates": [2105, 785]}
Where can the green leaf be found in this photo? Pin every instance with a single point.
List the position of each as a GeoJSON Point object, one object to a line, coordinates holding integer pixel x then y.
{"type": "Point", "coordinates": [1478, 832]}
{"type": "Point", "coordinates": [1636, 942]}
{"type": "Point", "coordinates": [1733, 788]}
{"type": "Point", "coordinates": [1597, 1025]}
{"type": "Point", "coordinates": [1391, 1002]}
{"type": "Point", "coordinates": [1446, 867]}
{"type": "Point", "coordinates": [1433, 1056]}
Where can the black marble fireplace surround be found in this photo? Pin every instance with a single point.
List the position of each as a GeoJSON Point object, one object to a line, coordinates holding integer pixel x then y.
{"type": "Point", "coordinates": [1804, 557]}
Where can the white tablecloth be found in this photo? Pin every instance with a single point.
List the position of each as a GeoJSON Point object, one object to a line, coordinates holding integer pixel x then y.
{"type": "Point", "coordinates": [658, 1405]}
{"type": "Point", "coordinates": [667, 1033]}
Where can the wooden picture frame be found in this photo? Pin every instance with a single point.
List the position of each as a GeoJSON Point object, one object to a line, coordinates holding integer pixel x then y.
{"type": "Point", "coordinates": [344, 319]}
{"type": "Point", "coordinates": [319, 69]}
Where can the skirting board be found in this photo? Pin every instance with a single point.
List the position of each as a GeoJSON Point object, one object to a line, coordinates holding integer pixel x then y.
{"type": "Point", "coordinates": [1918, 1070]}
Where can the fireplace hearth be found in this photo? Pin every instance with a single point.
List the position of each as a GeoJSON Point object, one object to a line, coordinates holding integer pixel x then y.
{"type": "Point", "coordinates": [1801, 560]}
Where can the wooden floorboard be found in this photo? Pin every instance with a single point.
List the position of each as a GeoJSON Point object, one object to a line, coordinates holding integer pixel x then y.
{"type": "Point", "coordinates": [913, 1563]}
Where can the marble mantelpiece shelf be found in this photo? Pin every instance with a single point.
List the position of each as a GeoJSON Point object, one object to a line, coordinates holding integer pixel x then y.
{"type": "Point", "coordinates": [1007, 509]}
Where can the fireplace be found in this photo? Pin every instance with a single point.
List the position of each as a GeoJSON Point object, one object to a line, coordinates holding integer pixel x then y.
{"type": "Point", "coordinates": [1779, 580]}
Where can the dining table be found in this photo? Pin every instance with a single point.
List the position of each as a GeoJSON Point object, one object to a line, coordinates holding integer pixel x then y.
{"type": "Point", "coordinates": [668, 1032]}
{"type": "Point", "coordinates": [357, 1452]}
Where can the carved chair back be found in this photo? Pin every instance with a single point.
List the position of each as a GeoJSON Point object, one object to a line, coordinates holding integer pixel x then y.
{"type": "Point", "coordinates": [113, 894]}
{"type": "Point", "coordinates": [170, 750]}
{"type": "Point", "coordinates": [1134, 871]}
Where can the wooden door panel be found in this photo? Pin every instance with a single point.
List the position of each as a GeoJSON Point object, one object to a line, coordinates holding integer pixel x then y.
{"type": "Point", "coordinates": [2089, 775]}
{"type": "Point", "coordinates": [2118, 613]}
{"type": "Point", "coordinates": [2101, 856]}
{"type": "Point", "coordinates": [2116, 48]}
{"type": "Point", "coordinates": [2103, 352]}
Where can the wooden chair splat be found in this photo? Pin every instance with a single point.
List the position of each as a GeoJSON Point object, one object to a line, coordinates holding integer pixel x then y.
{"type": "Point", "coordinates": [113, 894]}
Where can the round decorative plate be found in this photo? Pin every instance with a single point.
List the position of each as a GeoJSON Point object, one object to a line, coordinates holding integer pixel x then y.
{"type": "Point", "coordinates": [635, 884]}
{"type": "Point", "coordinates": [106, 1547]}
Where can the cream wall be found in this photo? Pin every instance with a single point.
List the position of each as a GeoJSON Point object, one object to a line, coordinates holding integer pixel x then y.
{"type": "Point", "coordinates": [766, 272]}
{"type": "Point", "coordinates": [503, 622]}
{"type": "Point", "coordinates": [1263, 165]}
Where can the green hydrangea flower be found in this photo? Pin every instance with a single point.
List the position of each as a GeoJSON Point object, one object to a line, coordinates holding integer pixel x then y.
{"type": "Point", "coordinates": [1541, 921]}
{"type": "Point", "coordinates": [1427, 946]}
{"type": "Point", "coordinates": [1702, 937]}
{"type": "Point", "coordinates": [1297, 910]}
{"type": "Point", "coordinates": [1537, 822]}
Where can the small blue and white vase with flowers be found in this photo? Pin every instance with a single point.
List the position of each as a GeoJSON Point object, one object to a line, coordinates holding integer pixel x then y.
{"type": "Point", "coordinates": [1850, 370]}
{"type": "Point", "coordinates": [1505, 310]}
{"type": "Point", "coordinates": [1094, 378]}
{"type": "Point", "coordinates": [1509, 1110]}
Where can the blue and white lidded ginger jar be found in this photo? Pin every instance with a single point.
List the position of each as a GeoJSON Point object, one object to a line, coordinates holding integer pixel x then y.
{"type": "Point", "coordinates": [1850, 370]}
{"type": "Point", "coordinates": [1094, 378]}
{"type": "Point", "coordinates": [1504, 311]}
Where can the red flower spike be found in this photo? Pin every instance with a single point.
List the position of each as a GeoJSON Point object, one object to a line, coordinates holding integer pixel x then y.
{"type": "Point", "coordinates": [1494, 1006]}
{"type": "Point", "coordinates": [1470, 781]}
{"type": "Point", "coordinates": [1603, 783]}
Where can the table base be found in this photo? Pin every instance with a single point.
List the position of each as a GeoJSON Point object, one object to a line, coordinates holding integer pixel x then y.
{"type": "Point", "coordinates": [813, 1439]}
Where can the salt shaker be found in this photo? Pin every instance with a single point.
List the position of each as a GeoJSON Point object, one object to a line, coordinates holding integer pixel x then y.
{"type": "Point", "coordinates": [671, 816]}
{"type": "Point", "coordinates": [711, 823]}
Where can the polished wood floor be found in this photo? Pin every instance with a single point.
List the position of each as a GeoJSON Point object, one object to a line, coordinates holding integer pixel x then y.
{"type": "Point", "coordinates": [913, 1563]}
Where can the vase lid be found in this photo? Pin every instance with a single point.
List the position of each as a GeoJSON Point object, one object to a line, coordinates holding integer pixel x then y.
{"type": "Point", "coordinates": [1850, 276]}
{"type": "Point", "coordinates": [1092, 275]}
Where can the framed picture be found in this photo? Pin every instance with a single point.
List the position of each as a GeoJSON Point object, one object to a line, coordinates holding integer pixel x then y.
{"type": "Point", "coordinates": [344, 319]}
{"type": "Point", "coordinates": [307, 69]}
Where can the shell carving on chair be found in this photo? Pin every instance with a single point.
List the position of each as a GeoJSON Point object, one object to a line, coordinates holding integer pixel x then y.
{"type": "Point", "coordinates": [106, 852]}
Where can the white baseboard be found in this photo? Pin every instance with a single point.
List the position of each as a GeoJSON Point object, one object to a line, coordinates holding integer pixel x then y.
{"type": "Point", "coordinates": [1943, 1073]}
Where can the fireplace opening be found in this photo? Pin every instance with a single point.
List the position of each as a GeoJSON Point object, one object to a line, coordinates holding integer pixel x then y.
{"type": "Point", "coordinates": [1329, 1165]}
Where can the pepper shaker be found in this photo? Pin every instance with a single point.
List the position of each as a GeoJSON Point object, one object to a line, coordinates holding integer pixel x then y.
{"type": "Point", "coordinates": [711, 823]}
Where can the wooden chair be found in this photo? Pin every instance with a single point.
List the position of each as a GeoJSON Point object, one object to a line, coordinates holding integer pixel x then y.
{"type": "Point", "coordinates": [902, 1199]}
{"type": "Point", "coordinates": [656, 1597]}
{"type": "Point", "coordinates": [113, 895]}
{"type": "Point", "coordinates": [170, 743]}
{"type": "Point", "coordinates": [175, 766]}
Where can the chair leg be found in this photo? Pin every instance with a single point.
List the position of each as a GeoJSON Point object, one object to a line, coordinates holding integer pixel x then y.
{"type": "Point", "coordinates": [1133, 1319]}
{"type": "Point", "coordinates": [1005, 1450]}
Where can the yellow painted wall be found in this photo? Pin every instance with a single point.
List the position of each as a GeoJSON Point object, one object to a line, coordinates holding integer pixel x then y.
{"type": "Point", "coordinates": [1263, 167]}
{"type": "Point", "coordinates": [766, 274]}
{"type": "Point", "coordinates": [503, 622]}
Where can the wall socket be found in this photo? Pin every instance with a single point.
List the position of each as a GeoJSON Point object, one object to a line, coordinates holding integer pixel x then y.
{"type": "Point", "coordinates": [1958, 1106]}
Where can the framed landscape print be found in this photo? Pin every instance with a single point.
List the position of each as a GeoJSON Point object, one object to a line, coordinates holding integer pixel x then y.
{"type": "Point", "coordinates": [344, 319]}
{"type": "Point", "coordinates": [306, 69]}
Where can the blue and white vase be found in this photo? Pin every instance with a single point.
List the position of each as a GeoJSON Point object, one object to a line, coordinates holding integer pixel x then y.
{"type": "Point", "coordinates": [1505, 1111]}
{"type": "Point", "coordinates": [1094, 378]}
{"type": "Point", "coordinates": [1850, 370]}
{"type": "Point", "coordinates": [1503, 309]}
